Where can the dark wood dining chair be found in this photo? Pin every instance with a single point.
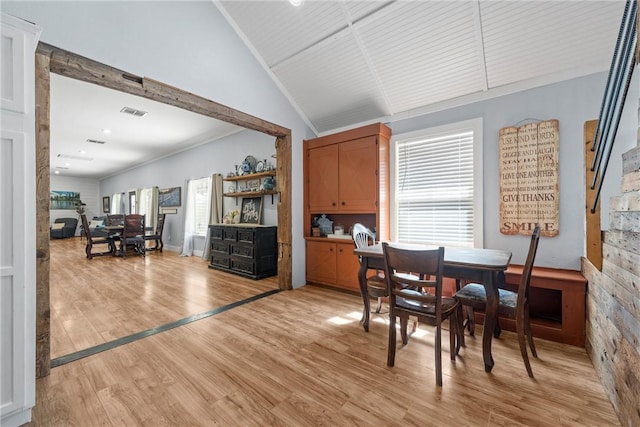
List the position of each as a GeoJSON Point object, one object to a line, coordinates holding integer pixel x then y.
{"type": "Point", "coordinates": [419, 297]}
{"type": "Point", "coordinates": [133, 234]}
{"type": "Point", "coordinates": [91, 241]}
{"type": "Point", "coordinates": [157, 235]}
{"type": "Point", "coordinates": [115, 219]}
{"type": "Point", "coordinates": [511, 304]}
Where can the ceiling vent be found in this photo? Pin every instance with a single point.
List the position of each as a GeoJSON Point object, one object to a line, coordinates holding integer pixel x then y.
{"type": "Point", "coordinates": [69, 156]}
{"type": "Point", "coordinates": [95, 141]}
{"type": "Point", "coordinates": [133, 112]}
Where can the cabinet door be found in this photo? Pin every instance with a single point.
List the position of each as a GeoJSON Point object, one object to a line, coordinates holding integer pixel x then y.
{"type": "Point", "coordinates": [321, 262]}
{"type": "Point", "coordinates": [358, 171]}
{"type": "Point", "coordinates": [347, 267]}
{"type": "Point", "coordinates": [323, 179]}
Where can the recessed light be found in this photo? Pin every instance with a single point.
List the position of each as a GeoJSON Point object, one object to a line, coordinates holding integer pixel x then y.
{"type": "Point", "coordinates": [57, 172]}
{"type": "Point", "coordinates": [82, 152]}
{"type": "Point", "coordinates": [296, 3]}
{"type": "Point", "coordinates": [106, 131]}
{"type": "Point", "coordinates": [67, 164]}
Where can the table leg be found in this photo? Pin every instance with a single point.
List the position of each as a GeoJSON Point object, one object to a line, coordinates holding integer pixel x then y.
{"type": "Point", "coordinates": [362, 281]}
{"type": "Point", "coordinates": [490, 318]}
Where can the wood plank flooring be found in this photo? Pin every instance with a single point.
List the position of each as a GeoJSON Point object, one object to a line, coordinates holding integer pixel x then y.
{"type": "Point", "coordinates": [301, 358]}
{"type": "Point", "coordinates": [105, 298]}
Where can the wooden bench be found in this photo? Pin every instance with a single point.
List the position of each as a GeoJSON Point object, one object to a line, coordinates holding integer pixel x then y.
{"type": "Point", "coordinates": [557, 304]}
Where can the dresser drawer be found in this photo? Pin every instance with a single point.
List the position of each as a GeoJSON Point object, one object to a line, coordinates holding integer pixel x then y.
{"type": "Point", "coordinates": [217, 233]}
{"type": "Point", "coordinates": [243, 251]}
{"type": "Point", "coordinates": [230, 234]}
{"type": "Point", "coordinates": [246, 236]}
{"type": "Point", "coordinates": [219, 260]}
{"type": "Point", "coordinates": [219, 247]}
{"type": "Point", "coordinates": [244, 266]}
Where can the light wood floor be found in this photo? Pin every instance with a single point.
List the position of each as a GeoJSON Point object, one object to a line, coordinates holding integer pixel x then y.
{"type": "Point", "coordinates": [300, 358]}
{"type": "Point", "coordinates": [98, 300]}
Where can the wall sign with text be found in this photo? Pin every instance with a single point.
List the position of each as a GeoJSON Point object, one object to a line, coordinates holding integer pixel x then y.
{"type": "Point", "coordinates": [529, 192]}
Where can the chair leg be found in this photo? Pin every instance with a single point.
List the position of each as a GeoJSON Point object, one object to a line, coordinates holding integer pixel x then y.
{"type": "Point", "coordinates": [471, 321]}
{"type": "Point", "coordinates": [453, 335]}
{"type": "Point", "coordinates": [439, 355]}
{"type": "Point", "coordinates": [404, 322]}
{"type": "Point", "coordinates": [527, 325]}
{"type": "Point", "coordinates": [497, 330]}
{"type": "Point", "coordinates": [460, 328]}
{"type": "Point", "coordinates": [391, 353]}
{"type": "Point", "coordinates": [379, 306]}
{"type": "Point", "coordinates": [520, 327]}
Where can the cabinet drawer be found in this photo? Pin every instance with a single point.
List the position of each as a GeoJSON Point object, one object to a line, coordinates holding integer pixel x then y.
{"type": "Point", "coordinates": [217, 233]}
{"type": "Point", "coordinates": [219, 260]}
{"type": "Point", "coordinates": [244, 251]}
{"type": "Point", "coordinates": [220, 247]}
{"type": "Point", "coordinates": [243, 266]}
{"type": "Point", "coordinates": [247, 236]}
{"type": "Point", "coordinates": [230, 234]}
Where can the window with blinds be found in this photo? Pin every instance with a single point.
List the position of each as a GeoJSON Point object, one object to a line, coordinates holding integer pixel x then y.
{"type": "Point", "coordinates": [201, 208]}
{"type": "Point", "coordinates": [437, 186]}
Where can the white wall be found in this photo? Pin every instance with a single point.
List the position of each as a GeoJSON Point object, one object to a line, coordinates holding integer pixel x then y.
{"type": "Point", "coordinates": [185, 44]}
{"type": "Point", "coordinates": [572, 102]}
{"type": "Point", "coordinates": [89, 193]}
{"type": "Point", "coordinates": [218, 156]}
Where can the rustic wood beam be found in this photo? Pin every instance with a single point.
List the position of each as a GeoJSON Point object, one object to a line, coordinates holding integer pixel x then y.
{"type": "Point", "coordinates": [43, 327]}
{"type": "Point", "coordinates": [78, 67]}
{"type": "Point", "coordinates": [283, 182]}
{"type": "Point", "coordinates": [593, 231]}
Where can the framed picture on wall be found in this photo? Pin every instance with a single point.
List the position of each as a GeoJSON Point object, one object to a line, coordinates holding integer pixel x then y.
{"type": "Point", "coordinates": [169, 197]}
{"type": "Point", "coordinates": [106, 204]}
{"type": "Point", "coordinates": [251, 210]}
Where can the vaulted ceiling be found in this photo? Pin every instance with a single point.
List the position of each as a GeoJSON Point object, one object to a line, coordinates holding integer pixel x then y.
{"type": "Point", "coordinates": [343, 63]}
{"type": "Point", "coordinates": [349, 62]}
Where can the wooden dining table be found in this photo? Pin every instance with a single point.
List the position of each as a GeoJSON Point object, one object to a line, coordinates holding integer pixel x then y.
{"type": "Point", "coordinates": [470, 264]}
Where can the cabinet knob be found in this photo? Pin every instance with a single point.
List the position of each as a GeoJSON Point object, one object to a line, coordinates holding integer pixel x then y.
{"type": "Point", "coordinates": [343, 203]}
{"type": "Point", "coordinates": [330, 249]}
{"type": "Point", "coordinates": [333, 204]}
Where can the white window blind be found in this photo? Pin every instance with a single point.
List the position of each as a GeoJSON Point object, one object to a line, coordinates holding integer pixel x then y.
{"type": "Point", "coordinates": [201, 209]}
{"type": "Point", "coordinates": [434, 188]}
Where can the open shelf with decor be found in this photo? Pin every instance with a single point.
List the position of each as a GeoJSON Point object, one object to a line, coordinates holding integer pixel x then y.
{"type": "Point", "coordinates": [251, 185]}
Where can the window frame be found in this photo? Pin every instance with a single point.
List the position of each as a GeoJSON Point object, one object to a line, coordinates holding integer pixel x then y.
{"type": "Point", "coordinates": [206, 207]}
{"type": "Point", "coordinates": [475, 125]}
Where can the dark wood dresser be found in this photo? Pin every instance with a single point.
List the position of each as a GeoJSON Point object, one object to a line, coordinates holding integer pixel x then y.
{"type": "Point", "coordinates": [246, 250]}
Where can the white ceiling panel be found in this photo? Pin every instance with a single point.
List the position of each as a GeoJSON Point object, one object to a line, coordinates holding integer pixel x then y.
{"type": "Point", "coordinates": [424, 52]}
{"type": "Point", "coordinates": [279, 30]}
{"type": "Point", "coordinates": [525, 40]}
{"type": "Point", "coordinates": [333, 84]}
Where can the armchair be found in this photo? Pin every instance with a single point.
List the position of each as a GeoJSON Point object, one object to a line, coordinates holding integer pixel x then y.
{"type": "Point", "coordinates": [67, 229]}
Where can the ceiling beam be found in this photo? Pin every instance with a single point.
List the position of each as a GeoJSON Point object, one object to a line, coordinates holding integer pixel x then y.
{"type": "Point", "coordinates": [85, 69]}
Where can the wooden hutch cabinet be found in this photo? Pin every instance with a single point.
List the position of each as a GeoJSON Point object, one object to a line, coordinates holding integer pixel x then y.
{"type": "Point", "coordinates": [346, 178]}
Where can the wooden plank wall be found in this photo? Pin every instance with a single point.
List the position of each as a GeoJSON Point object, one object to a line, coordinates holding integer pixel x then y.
{"type": "Point", "coordinates": [613, 300]}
